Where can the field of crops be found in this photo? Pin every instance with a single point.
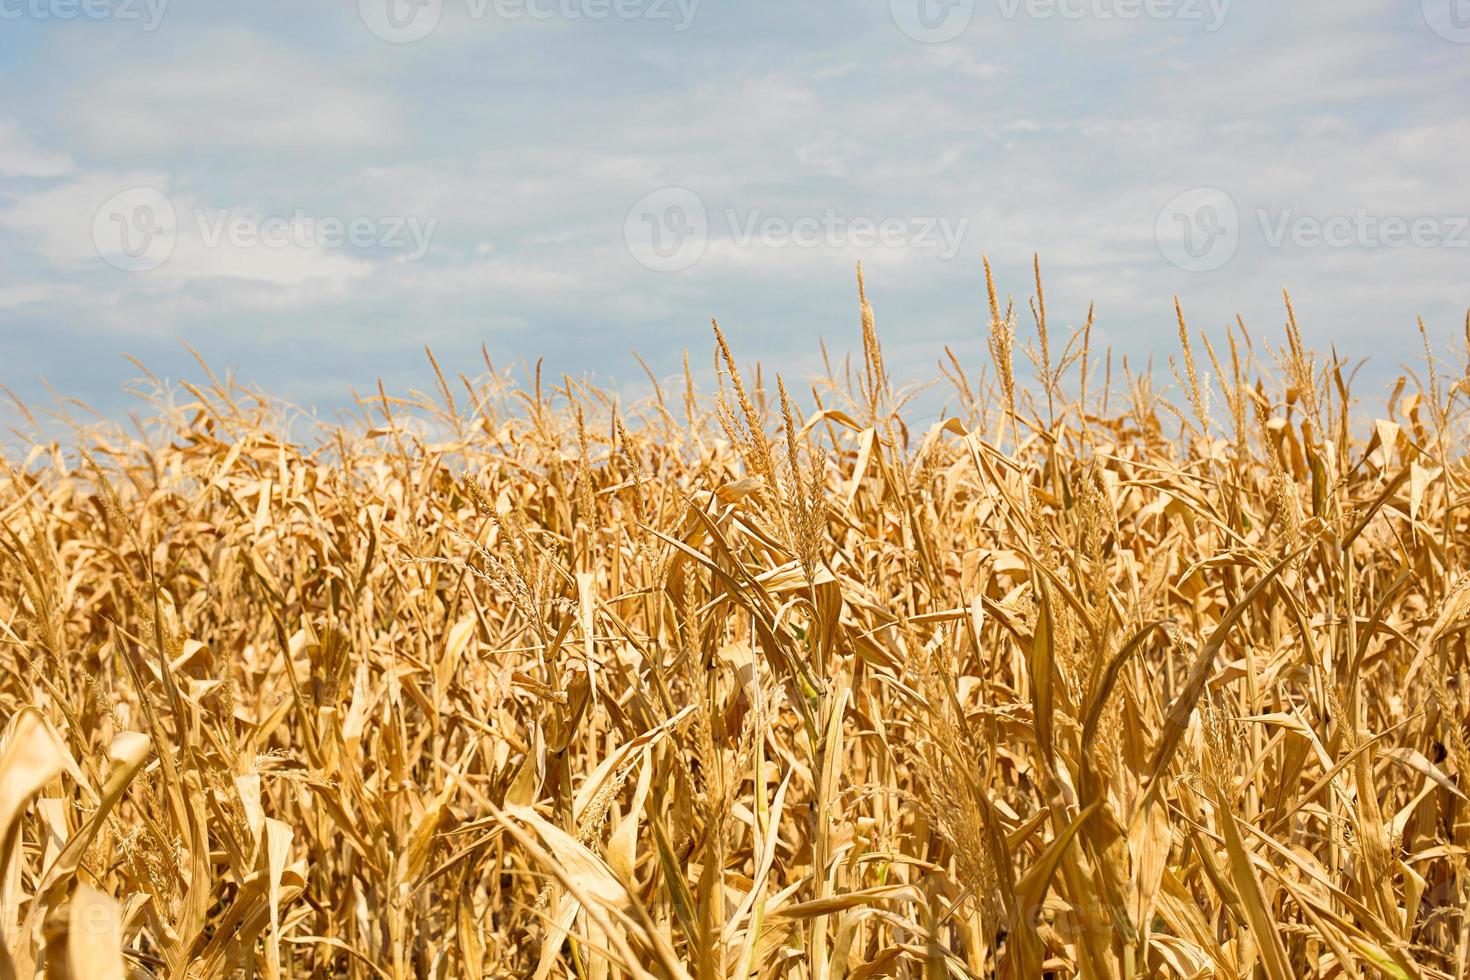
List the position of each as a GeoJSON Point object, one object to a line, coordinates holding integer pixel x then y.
{"type": "Point", "coordinates": [1115, 672]}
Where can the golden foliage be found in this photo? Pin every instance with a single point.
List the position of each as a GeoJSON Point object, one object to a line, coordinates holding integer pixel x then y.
{"type": "Point", "coordinates": [522, 683]}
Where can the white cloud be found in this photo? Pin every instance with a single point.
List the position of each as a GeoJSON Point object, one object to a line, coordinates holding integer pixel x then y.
{"type": "Point", "coordinates": [19, 157]}
{"type": "Point", "coordinates": [1054, 137]}
{"type": "Point", "coordinates": [828, 153]}
{"type": "Point", "coordinates": [228, 91]}
{"type": "Point", "coordinates": [58, 224]}
{"type": "Point", "coordinates": [959, 58]}
{"type": "Point", "coordinates": [26, 293]}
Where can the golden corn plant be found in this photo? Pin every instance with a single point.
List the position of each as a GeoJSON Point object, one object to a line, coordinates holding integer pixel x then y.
{"type": "Point", "coordinates": [1091, 678]}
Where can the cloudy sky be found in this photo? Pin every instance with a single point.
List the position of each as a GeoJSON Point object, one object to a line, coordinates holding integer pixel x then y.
{"type": "Point", "coordinates": [308, 193]}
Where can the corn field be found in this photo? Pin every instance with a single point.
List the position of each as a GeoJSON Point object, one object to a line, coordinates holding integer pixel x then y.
{"type": "Point", "coordinates": [1112, 672]}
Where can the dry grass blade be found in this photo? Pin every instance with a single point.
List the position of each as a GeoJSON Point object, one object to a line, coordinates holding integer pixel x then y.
{"type": "Point", "coordinates": [525, 679]}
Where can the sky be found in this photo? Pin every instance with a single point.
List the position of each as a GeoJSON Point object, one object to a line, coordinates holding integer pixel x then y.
{"type": "Point", "coordinates": [308, 192]}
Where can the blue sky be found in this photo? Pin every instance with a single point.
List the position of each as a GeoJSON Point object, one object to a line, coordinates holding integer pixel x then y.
{"type": "Point", "coordinates": [325, 192]}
